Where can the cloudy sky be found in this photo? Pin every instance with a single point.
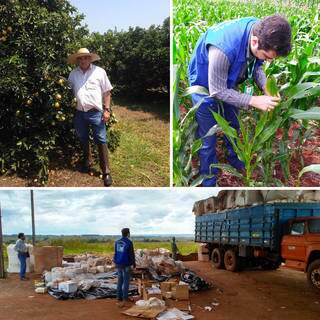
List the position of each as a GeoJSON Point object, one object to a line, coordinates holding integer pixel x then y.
{"type": "Point", "coordinates": [69, 212]}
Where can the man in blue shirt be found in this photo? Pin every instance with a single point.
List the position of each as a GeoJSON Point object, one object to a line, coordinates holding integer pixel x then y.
{"type": "Point", "coordinates": [124, 259]}
{"type": "Point", "coordinates": [227, 55]}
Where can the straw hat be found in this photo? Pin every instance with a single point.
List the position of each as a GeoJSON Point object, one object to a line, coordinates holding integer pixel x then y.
{"type": "Point", "coordinates": [72, 59]}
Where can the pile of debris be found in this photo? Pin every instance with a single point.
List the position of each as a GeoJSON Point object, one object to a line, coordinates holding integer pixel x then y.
{"type": "Point", "coordinates": [159, 263]}
{"type": "Point", "coordinates": [161, 285]}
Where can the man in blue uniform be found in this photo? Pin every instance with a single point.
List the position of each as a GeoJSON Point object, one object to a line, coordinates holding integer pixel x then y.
{"type": "Point", "coordinates": [226, 55]}
{"type": "Point", "coordinates": [124, 259]}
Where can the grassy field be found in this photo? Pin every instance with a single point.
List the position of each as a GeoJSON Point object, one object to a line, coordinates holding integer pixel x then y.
{"type": "Point", "coordinates": [76, 247]}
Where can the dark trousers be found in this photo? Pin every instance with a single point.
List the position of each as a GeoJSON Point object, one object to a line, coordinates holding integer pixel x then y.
{"type": "Point", "coordinates": [23, 264]}
{"type": "Point", "coordinates": [207, 153]}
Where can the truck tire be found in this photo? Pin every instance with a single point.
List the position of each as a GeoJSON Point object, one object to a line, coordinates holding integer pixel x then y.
{"type": "Point", "coordinates": [217, 258]}
{"type": "Point", "coordinates": [231, 261]}
{"type": "Point", "coordinates": [313, 274]}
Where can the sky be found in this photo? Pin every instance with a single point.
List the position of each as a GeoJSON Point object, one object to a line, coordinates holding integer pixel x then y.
{"type": "Point", "coordinates": [72, 212]}
{"type": "Point", "coordinates": [103, 15]}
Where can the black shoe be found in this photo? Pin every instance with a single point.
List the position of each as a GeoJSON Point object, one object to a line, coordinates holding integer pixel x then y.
{"type": "Point", "coordinates": [107, 179]}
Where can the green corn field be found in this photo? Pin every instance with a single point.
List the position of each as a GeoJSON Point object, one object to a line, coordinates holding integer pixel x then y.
{"type": "Point", "coordinates": [268, 159]}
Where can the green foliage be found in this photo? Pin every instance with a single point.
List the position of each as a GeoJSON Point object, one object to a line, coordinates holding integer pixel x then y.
{"type": "Point", "coordinates": [36, 103]}
{"type": "Point", "coordinates": [136, 60]}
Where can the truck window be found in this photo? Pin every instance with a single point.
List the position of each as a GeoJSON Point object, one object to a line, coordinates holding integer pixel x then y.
{"type": "Point", "coordinates": [314, 226]}
{"type": "Point", "coordinates": [297, 228]}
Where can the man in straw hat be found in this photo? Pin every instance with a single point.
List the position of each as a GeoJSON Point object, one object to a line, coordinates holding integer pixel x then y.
{"type": "Point", "coordinates": [92, 90]}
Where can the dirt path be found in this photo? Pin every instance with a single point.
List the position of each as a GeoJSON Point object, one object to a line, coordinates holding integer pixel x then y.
{"type": "Point", "coordinates": [247, 295]}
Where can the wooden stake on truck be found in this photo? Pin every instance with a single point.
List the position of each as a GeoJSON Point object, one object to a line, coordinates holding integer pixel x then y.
{"type": "Point", "coordinates": [2, 272]}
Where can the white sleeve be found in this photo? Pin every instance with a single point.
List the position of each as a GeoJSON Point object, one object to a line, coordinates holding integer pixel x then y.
{"type": "Point", "coordinates": [105, 82]}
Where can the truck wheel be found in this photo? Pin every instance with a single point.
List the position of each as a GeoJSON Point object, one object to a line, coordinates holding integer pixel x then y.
{"type": "Point", "coordinates": [217, 258]}
{"type": "Point", "coordinates": [231, 260]}
{"type": "Point", "coordinates": [313, 274]}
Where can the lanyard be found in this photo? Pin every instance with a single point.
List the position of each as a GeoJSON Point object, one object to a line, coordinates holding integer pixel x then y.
{"type": "Point", "coordinates": [248, 88]}
{"type": "Point", "coordinates": [250, 70]}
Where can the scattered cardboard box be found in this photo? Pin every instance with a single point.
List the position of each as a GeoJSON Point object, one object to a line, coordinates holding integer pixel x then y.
{"type": "Point", "coordinates": [140, 312]}
{"type": "Point", "coordinates": [151, 292]}
{"type": "Point", "coordinates": [180, 292]}
{"type": "Point", "coordinates": [68, 286]}
{"type": "Point", "coordinates": [167, 286]}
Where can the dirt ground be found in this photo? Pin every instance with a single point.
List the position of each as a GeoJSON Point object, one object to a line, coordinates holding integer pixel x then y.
{"type": "Point", "coordinates": [251, 294]}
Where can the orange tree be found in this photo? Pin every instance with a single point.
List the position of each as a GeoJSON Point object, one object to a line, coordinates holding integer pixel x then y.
{"type": "Point", "coordinates": [137, 60]}
{"type": "Point", "coordinates": [36, 105]}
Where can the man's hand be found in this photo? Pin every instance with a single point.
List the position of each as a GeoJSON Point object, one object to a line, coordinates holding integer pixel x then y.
{"type": "Point", "coordinates": [105, 115]}
{"type": "Point", "coordinates": [264, 103]}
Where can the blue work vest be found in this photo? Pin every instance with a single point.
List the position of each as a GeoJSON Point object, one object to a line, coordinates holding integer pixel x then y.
{"type": "Point", "coordinates": [231, 37]}
{"type": "Point", "coordinates": [122, 255]}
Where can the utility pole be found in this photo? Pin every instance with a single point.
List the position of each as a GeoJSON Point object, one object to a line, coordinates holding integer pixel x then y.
{"type": "Point", "coordinates": [2, 272]}
{"type": "Point", "coordinates": [32, 219]}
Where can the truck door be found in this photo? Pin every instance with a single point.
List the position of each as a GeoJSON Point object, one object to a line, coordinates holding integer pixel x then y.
{"type": "Point", "coordinates": [293, 245]}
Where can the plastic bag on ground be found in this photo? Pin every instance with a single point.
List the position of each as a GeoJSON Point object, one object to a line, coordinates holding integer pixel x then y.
{"type": "Point", "coordinates": [151, 303]}
{"type": "Point", "coordinates": [174, 314]}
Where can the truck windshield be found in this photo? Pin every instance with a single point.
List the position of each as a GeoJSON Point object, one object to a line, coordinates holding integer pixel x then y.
{"type": "Point", "coordinates": [297, 228]}
{"type": "Point", "coordinates": [314, 226]}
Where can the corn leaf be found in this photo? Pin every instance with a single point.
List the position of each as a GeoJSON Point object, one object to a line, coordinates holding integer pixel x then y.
{"type": "Point", "coordinates": [313, 168]}
{"type": "Point", "coordinates": [271, 86]}
{"type": "Point", "coordinates": [213, 130]}
{"type": "Point", "coordinates": [224, 125]}
{"type": "Point", "coordinates": [196, 146]}
{"type": "Point", "coordinates": [228, 168]}
{"type": "Point", "coordinates": [310, 114]}
{"type": "Point", "coordinates": [196, 90]}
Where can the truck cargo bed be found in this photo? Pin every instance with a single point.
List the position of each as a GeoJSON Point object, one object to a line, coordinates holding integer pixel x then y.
{"type": "Point", "coordinates": [260, 225]}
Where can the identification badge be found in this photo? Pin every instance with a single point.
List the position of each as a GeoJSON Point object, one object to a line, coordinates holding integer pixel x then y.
{"type": "Point", "coordinates": [248, 89]}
